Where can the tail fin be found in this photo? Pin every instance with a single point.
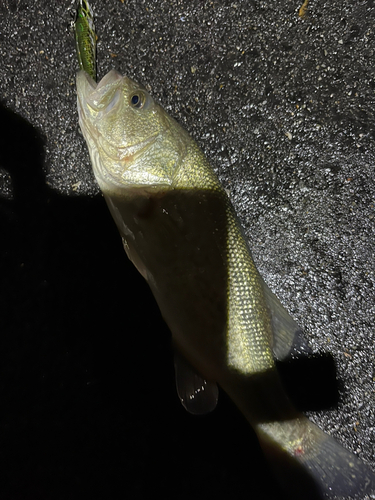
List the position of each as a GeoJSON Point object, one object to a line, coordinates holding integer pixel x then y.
{"type": "Point", "coordinates": [311, 464]}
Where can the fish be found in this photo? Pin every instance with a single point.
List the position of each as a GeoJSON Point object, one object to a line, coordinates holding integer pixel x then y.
{"type": "Point", "coordinates": [85, 37]}
{"type": "Point", "coordinates": [181, 232]}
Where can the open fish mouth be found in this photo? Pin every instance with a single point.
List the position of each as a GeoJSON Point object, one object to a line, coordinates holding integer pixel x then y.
{"type": "Point", "coordinates": [93, 94]}
{"type": "Point", "coordinates": [90, 81]}
{"type": "Point", "coordinates": [94, 101]}
{"type": "Point", "coordinates": [97, 100]}
{"type": "Point", "coordinates": [110, 77]}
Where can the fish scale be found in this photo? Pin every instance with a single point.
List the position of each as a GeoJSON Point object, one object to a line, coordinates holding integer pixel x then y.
{"type": "Point", "coordinates": [249, 327]}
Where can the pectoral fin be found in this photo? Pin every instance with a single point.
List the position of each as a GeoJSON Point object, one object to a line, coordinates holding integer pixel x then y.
{"type": "Point", "coordinates": [197, 395]}
{"type": "Point", "coordinates": [288, 340]}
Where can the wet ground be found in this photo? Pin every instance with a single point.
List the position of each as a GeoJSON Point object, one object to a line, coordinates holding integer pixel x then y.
{"type": "Point", "coordinates": [283, 105]}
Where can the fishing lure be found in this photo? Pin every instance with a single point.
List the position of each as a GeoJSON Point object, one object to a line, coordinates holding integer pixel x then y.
{"type": "Point", "coordinates": [85, 36]}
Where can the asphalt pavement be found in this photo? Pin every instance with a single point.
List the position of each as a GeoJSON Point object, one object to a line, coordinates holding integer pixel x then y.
{"type": "Point", "coordinates": [282, 102]}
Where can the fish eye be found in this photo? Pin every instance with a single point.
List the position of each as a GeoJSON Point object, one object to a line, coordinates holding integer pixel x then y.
{"type": "Point", "coordinates": [137, 100]}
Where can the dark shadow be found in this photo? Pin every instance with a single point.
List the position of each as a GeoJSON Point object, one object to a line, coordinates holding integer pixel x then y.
{"type": "Point", "coordinates": [68, 352]}
{"type": "Point", "coordinates": [310, 382]}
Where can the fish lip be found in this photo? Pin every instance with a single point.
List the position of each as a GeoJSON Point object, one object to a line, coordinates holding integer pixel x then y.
{"type": "Point", "coordinates": [84, 81]}
{"type": "Point", "coordinates": [111, 77]}
{"type": "Point", "coordinates": [90, 92]}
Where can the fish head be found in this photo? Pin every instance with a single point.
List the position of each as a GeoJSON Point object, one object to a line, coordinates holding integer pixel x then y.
{"type": "Point", "coordinates": [125, 129]}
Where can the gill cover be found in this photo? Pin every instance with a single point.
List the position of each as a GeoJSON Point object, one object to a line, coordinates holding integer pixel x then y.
{"type": "Point", "coordinates": [123, 125]}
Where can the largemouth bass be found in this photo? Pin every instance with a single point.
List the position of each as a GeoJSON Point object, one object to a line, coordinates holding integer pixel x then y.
{"type": "Point", "coordinates": [180, 230]}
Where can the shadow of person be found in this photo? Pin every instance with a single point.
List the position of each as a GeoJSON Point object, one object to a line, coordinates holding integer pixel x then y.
{"type": "Point", "coordinates": [60, 255]}
{"type": "Point", "coordinates": [47, 260]}
{"type": "Point", "coordinates": [61, 266]}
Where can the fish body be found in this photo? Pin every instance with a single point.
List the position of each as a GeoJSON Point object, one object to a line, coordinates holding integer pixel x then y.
{"type": "Point", "coordinates": [180, 230]}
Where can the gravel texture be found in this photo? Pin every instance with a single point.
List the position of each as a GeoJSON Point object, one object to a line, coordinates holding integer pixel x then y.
{"type": "Point", "coordinates": [283, 106]}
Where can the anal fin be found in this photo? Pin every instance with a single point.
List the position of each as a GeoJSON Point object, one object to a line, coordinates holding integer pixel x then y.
{"type": "Point", "coordinates": [197, 395]}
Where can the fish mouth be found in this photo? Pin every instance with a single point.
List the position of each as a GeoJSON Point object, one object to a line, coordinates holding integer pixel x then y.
{"type": "Point", "coordinates": [92, 106]}
{"type": "Point", "coordinates": [85, 80]}
{"type": "Point", "coordinates": [91, 94]}
{"type": "Point", "coordinates": [88, 84]}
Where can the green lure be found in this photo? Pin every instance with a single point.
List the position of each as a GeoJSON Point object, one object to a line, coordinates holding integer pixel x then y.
{"type": "Point", "coordinates": [85, 38]}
